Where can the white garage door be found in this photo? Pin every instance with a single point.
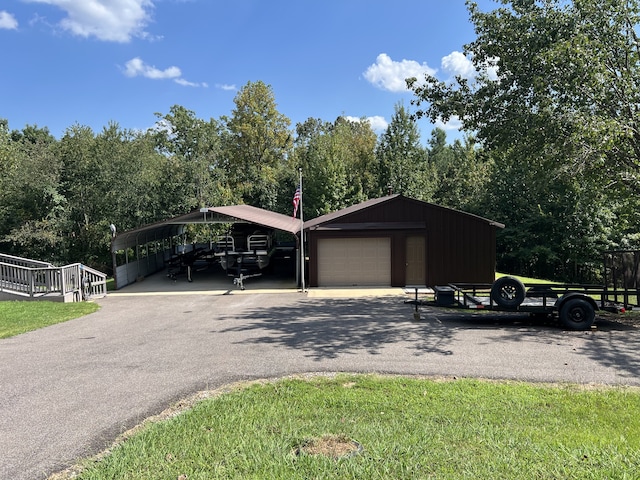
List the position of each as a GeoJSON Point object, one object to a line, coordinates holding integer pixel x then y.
{"type": "Point", "coordinates": [354, 261]}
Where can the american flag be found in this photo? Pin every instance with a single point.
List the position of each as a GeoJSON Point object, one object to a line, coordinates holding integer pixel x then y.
{"type": "Point", "coordinates": [296, 201]}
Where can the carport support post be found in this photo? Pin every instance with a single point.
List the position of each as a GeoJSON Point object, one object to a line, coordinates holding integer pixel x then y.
{"type": "Point", "coordinates": [113, 262]}
{"type": "Point", "coordinates": [300, 261]}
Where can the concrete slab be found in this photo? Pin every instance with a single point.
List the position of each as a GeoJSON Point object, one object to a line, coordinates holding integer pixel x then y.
{"type": "Point", "coordinates": [354, 292]}
{"type": "Point", "coordinates": [209, 281]}
{"type": "Point", "coordinates": [214, 281]}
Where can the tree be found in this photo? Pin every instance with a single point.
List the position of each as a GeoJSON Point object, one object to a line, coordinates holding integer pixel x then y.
{"type": "Point", "coordinates": [460, 171]}
{"type": "Point", "coordinates": [129, 187]}
{"type": "Point", "coordinates": [402, 161]}
{"type": "Point", "coordinates": [81, 179]}
{"type": "Point", "coordinates": [325, 177]}
{"type": "Point", "coordinates": [556, 226]}
{"type": "Point", "coordinates": [353, 143]}
{"type": "Point", "coordinates": [32, 209]}
{"type": "Point", "coordinates": [567, 84]}
{"type": "Point", "coordinates": [8, 163]}
{"type": "Point", "coordinates": [338, 161]}
{"type": "Point", "coordinates": [194, 174]}
{"type": "Point", "coordinates": [256, 143]}
{"type": "Point", "coordinates": [555, 104]}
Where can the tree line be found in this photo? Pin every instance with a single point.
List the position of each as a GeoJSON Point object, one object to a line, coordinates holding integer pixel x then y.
{"type": "Point", "coordinates": [60, 196]}
{"type": "Point", "coordinates": [552, 150]}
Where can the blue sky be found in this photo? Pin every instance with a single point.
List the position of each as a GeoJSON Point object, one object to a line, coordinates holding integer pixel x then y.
{"type": "Point", "coordinates": [91, 62]}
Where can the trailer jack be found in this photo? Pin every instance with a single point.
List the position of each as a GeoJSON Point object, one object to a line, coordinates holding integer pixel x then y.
{"type": "Point", "coordinates": [240, 280]}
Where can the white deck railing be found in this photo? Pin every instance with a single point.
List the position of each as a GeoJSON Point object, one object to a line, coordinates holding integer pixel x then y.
{"type": "Point", "coordinates": [31, 278]}
{"type": "Point", "coordinates": [23, 262]}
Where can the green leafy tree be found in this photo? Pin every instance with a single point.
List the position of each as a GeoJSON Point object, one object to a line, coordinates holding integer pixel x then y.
{"type": "Point", "coordinates": [8, 164]}
{"type": "Point", "coordinates": [443, 164]}
{"type": "Point", "coordinates": [402, 160]}
{"type": "Point", "coordinates": [129, 183]}
{"type": "Point", "coordinates": [194, 173]}
{"type": "Point", "coordinates": [325, 178]}
{"type": "Point", "coordinates": [460, 171]}
{"type": "Point", "coordinates": [556, 227]}
{"type": "Point", "coordinates": [33, 210]}
{"type": "Point", "coordinates": [82, 185]}
{"type": "Point", "coordinates": [256, 143]}
{"type": "Point", "coordinates": [555, 102]}
{"type": "Point", "coordinates": [338, 161]}
{"type": "Point", "coordinates": [566, 84]}
{"type": "Point", "coordinates": [357, 143]}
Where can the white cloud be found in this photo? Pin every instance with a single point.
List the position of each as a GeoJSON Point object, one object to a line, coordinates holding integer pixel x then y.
{"type": "Point", "coordinates": [8, 21]}
{"type": "Point", "coordinates": [136, 67]}
{"type": "Point", "coordinates": [456, 63]}
{"type": "Point", "coordinates": [108, 20]}
{"type": "Point", "coordinates": [388, 74]}
{"type": "Point", "coordinates": [492, 70]}
{"type": "Point", "coordinates": [378, 123]}
{"type": "Point", "coordinates": [226, 87]}
{"type": "Point", "coordinates": [186, 83]}
{"type": "Point", "coordinates": [454, 123]}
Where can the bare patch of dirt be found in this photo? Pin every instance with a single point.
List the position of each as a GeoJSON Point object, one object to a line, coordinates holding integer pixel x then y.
{"type": "Point", "coordinates": [332, 446]}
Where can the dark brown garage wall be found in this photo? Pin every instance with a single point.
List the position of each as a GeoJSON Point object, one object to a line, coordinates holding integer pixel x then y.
{"type": "Point", "coordinates": [459, 247]}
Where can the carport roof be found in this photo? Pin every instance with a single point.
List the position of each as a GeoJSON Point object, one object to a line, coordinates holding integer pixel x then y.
{"type": "Point", "coordinates": [227, 214]}
{"type": "Point", "coordinates": [259, 216]}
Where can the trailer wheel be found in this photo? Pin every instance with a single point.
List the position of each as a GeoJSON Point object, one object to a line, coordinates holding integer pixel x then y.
{"type": "Point", "coordinates": [577, 314]}
{"type": "Point", "coordinates": [508, 292]}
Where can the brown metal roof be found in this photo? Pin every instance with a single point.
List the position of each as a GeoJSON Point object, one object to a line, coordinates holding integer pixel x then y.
{"type": "Point", "coordinates": [229, 214]}
{"type": "Point", "coordinates": [331, 217]}
{"type": "Point", "coordinates": [259, 216]}
{"type": "Point", "coordinates": [152, 232]}
{"type": "Point", "coordinates": [346, 211]}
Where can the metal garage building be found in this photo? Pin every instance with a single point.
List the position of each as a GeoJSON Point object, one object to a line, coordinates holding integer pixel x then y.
{"type": "Point", "coordinates": [397, 241]}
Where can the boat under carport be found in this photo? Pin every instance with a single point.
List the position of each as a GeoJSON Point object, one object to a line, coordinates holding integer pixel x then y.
{"type": "Point", "coordinates": [146, 250]}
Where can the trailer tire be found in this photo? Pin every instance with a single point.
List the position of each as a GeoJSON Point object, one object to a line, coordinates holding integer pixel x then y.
{"type": "Point", "coordinates": [508, 292]}
{"type": "Point", "coordinates": [577, 314]}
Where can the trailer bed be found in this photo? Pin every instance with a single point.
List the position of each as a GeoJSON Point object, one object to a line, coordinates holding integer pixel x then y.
{"type": "Point", "coordinates": [575, 304]}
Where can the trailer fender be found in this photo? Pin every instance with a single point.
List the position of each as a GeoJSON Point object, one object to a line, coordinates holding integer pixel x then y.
{"type": "Point", "coordinates": [576, 311]}
{"type": "Point", "coordinates": [567, 296]}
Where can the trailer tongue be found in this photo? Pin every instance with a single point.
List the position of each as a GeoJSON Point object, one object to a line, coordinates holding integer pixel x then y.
{"type": "Point", "coordinates": [574, 305]}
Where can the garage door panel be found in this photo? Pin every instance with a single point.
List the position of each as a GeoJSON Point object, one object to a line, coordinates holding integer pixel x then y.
{"type": "Point", "coordinates": [354, 261]}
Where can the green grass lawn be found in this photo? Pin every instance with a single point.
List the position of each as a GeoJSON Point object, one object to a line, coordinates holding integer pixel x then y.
{"type": "Point", "coordinates": [407, 428]}
{"type": "Point", "coordinates": [18, 317]}
{"type": "Point", "coordinates": [524, 279]}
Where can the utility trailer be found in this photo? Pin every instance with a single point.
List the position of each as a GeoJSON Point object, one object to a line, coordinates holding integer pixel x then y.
{"type": "Point", "coordinates": [574, 305]}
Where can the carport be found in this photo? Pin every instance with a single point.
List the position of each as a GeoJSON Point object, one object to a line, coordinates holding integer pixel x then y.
{"type": "Point", "coordinates": [146, 250]}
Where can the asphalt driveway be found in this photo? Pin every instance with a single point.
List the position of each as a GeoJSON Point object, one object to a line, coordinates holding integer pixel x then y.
{"type": "Point", "coordinates": [67, 391]}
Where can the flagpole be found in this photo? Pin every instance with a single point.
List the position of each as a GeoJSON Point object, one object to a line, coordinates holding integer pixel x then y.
{"type": "Point", "coordinates": [301, 236]}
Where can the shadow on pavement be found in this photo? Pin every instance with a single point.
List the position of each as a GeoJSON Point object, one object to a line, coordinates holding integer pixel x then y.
{"type": "Point", "coordinates": [327, 328]}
